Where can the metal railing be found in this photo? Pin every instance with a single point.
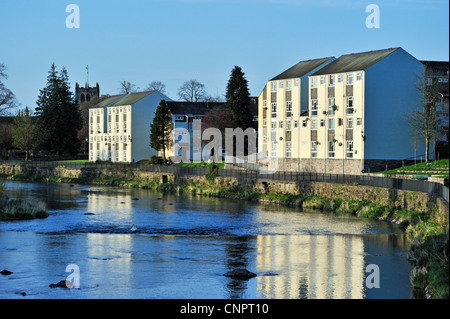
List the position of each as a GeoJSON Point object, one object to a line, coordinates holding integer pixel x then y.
{"type": "Point", "coordinates": [432, 188]}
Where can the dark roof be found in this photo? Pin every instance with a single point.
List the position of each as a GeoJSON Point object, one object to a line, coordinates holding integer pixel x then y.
{"type": "Point", "coordinates": [109, 100]}
{"type": "Point", "coordinates": [355, 61]}
{"type": "Point", "coordinates": [194, 108]}
{"type": "Point", "coordinates": [301, 68]}
{"type": "Point", "coordinates": [437, 68]}
{"type": "Point", "coordinates": [201, 108]}
{"type": "Point", "coordinates": [131, 98]}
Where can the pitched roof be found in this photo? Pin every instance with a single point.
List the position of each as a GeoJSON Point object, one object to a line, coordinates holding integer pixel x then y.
{"type": "Point", "coordinates": [131, 98]}
{"type": "Point", "coordinates": [194, 108]}
{"type": "Point", "coordinates": [355, 61]}
{"type": "Point", "coordinates": [109, 100]}
{"type": "Point", "coordinates": [301, 68]}
{"type": "Point", "coordinates": [201, 108]}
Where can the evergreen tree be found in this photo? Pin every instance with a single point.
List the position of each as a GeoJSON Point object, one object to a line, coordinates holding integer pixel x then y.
{"type": "Point", "coordinates": [238, 99]}
{"type": "Point", "coordinates": [160, 128]}
{"type": "Point", "coordinates": [58, 116]}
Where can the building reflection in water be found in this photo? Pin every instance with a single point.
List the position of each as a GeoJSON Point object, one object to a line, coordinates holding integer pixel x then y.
{"type": "Point", "coordinates": [326, 267]}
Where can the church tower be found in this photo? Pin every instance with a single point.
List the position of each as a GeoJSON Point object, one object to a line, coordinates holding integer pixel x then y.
{"type": "Point", "coordinates": [86, 93]}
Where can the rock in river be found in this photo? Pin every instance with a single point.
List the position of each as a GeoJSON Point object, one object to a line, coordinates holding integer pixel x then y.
{"type": "Point", "coordinates": [240, 274]}
{"type": "Point", "coordinates": [62, 284]}
{"type": "Point", "coordinates": [6, 272]}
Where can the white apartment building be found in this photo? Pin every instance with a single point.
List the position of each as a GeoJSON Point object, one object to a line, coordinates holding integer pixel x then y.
{"type": "Point", "coordinates": [355, 118]}
{"type": "Point", "coordinates": [119, 127]}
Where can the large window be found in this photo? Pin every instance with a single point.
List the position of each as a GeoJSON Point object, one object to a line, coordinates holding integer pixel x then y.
{"type": "Point", "coordinates": [288, 108]}
{"type": "Point", "coordinates": [350, 105]}
{"type": "Point", "coordinates": [274, 86]}
{"type": "Point", "coordinates": [349, 148]}
{"type": "Point", "coordinates": [331, 106]}
{"type": "Point", "coordinates": [313, 148]}
{"type": "Point", "coordinates": [313, 124]}
{"type": "Point", "coordinates": [313, 82]}
{"type": "Point", "coordinates": [314, 107]}
{"type": "Point", "coordinates": [350, 79]}
{"type": "Point", "coordinates": [288, 149]}
{"type": "Point", "coordinates": [331, 79]}
{"type": "Point", "coordinates": [331, 124]}
{"type": "Point", "coordinates": [331, 149]}
{"type": "Point", "coordinates": [349, 122]}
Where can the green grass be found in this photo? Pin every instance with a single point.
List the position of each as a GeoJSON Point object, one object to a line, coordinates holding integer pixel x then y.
{"type": "Point", "coordinates": [436, 168]}
{"type": "Point", "coordinates": [201, 164]}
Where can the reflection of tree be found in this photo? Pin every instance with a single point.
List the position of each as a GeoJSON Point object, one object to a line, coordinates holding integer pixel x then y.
{"type": "Point", "coordinates": [237, 257]}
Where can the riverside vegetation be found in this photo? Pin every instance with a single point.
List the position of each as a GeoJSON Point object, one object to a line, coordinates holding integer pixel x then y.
{"type": "Point", "coordinates": [18, 209]}
{"type": "Point", "coordinates": [427, 232]}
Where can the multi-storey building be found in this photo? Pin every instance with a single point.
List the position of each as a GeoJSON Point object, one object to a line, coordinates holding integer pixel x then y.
{"type": "Point", "coordinates": [355, 119]}
{"type": "Point", "coordinates": [183, 130]}
{"type": "Point", "coordinates": [119, 127]}
{"type": "Point", "coordinates": [437, 75]}
{"type": "Point", "coordinates": [280, 105]}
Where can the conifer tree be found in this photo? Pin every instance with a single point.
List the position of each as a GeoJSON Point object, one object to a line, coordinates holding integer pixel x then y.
{"type": "Point", "coordinates": [160, 128]}
{"type": "Point", "coordinates": [58, 116]}
{"type": "Point", "coordinates": [238, 99]}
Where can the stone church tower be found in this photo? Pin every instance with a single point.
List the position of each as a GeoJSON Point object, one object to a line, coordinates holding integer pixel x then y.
{"type": "Point", "coordinates": [85, 94]}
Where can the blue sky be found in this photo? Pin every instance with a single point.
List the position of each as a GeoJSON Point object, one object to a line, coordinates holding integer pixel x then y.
{"type": "Point", "coordinates": [174, 40]}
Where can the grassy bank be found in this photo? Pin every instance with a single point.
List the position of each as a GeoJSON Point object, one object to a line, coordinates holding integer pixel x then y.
{"type": "Point", "coordinates": [427, 232]}
{"type": "Point", "coordinates": [436, 168]}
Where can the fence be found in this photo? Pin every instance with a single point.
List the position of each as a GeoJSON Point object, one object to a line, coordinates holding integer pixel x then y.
{"type": "Point", "coordinates": [432, 188]}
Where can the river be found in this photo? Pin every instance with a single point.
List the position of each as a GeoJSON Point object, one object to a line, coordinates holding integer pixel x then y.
{"type": "Point", "coordinates": [184, 244]}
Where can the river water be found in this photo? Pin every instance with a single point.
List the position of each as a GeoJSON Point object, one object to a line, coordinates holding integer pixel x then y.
{"type": "Point", "coordinates": [183, 245]}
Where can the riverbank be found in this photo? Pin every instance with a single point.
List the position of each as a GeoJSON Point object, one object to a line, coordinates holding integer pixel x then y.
{"type": "Point", "coordinates": [423, 218]}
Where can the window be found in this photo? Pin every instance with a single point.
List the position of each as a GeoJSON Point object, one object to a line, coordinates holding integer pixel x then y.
{"type": "Point", "coordinates": [274, 86]}
{"type": "Point", "coordinates": [264, 122]}
{"type": "Point", "coordinates": [322, 123]}
{"type": "Point", "coordinates": [288, 149]}
{"type": "Point", "coordinates": [331, 124]}
{"type": "Point", "coordinates": [349, 122]}
{"type": "Point", "coordinates": [297, 82]}
{"type": "Point", "coordinates": [443, 80]}
{"type": "Point", "coordinates": [313, 148]}
{"type": "Point", "coordinates": [429, 81]}
{"type": "Point", "coordinates": [288, 108]}
{"type": "Point", "coordinates": [340, 78]}
{"type": "Point", "coordinates": [274, 107]}
{"type": "Point", "coordinates": [273, 148]}
{"type": "Point", "coordinates": [281, 84]}
{"type": "Point", "coordinates": [322, 79]}
{"type": "Point", "coordinates": [304, 123]}
{"type": "Point", "coordinates": [288, 85]}
{"type": "Point", "coordinates": [331, 106]}
{"type": "Point", "coordinates": [274, 124]}
{"type": "Point", "coordinates": [288, 125]}
{"type": "Point", "coordinates": [350, 105]}
{"type": "Point", "coordinates": [264, 103]}
{"type": "Point", "coordinates": [359, 121]}
{"type": "Point", "coordinates": [281, 124]}
{"type": "Point", "coordinates": [331, 80]}
{"type": "Point", "coordinates": [313, 82]}
{"type": "Point", "coordinates": [313, 124]}
{"type": "Point", "coordinates": [358, 76]}
{"type": "Point", "coordinates": [340, 122]}
{"type": "Point", "coordinates": [314, 107]}
{"type": "Point", "coordinates": [350, 79]}
{"type": "Point", "coordinates": [349, 148]}
{"type": "Point", "coordinates": [331, 149]}
{"type": "Point", "coordinates": [295, 124]}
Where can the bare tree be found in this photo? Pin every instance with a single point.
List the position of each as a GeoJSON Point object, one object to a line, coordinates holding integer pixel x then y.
{"type": "Point", "coordinates": [423, 120]}
{"type": "Point", "coordinates": [192, 91]}
{"type": "Point", "coordinates": [7, 97]}
{"type": "Point", "coordinates": [127, 87]}
{"type": "Point", "coordinates": [156, 86]}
